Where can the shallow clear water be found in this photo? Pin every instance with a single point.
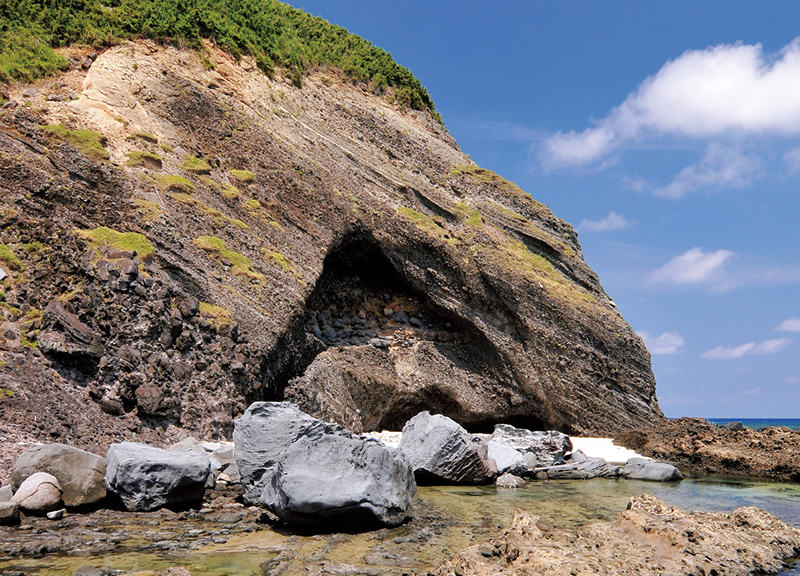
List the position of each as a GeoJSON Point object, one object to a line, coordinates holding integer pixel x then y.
{"type": "Point", "coordinates": [446, 520]}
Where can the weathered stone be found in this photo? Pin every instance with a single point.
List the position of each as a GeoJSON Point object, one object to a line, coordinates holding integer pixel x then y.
{"type": "Point", "coordinates": [39, 493]}
{"type": "Point", "coordinates": [56, 514]}
{"type": "Point", "coordinates": [308, 471]}
{"type": "Point", "coordinates": [509, 481]}
{"type": "Point", "coordinates": [440, 450]}
{"type": "Point", "coordinates": [545, 448]}
{"type": "Point", "coordinates": [80, 474]}
{"type": "Point", "coordinates": [9, 513]}
{"type": "Point", "coordinates": [63, 333]}
{"type": "Point", "coordinates": [6, 492]}
{"type": "Point", "coordinates": [146, 478]}
{"type": "Point", "coordinates": [583, 470]}
{"type": "Point", "coordinates": [642, 469]}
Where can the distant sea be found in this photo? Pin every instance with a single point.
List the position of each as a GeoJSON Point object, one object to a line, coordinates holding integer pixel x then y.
{"type": "Point", "coordinates": [758, 423]}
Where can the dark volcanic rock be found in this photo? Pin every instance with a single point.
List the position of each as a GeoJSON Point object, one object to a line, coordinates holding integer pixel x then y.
{"type": "Point", "coordinates": [310, 472]}
{"type": "Point", "coordinates": [440, 450]}
{"type": "Point", "coordinates": [696, 444]}
{"type": "Point", "coordinates": [80, 474]}
{"type": "Point", "coordinates": [648, 538]}
{"type": "Point", "coordinates": [147, 478]}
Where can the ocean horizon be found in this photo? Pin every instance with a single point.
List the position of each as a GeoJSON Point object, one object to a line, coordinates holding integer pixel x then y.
{"type": "Point", "coordinates": [758, 423]}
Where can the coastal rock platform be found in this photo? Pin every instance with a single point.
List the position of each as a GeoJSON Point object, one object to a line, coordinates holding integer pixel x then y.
{"type": "Point", "coordinates": [649, 537]}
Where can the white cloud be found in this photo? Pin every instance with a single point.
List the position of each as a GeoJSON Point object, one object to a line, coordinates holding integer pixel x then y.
{"type": "Point", "coordinates": [720, 167]}
{"type": "Point", "coordinates": [667, 343]}
{"type": "Point", "coordinates": [719, 91]}
{"type": "Point", "coordinates": [771, 346]}
{"type": "Point", "coordinates": [792, 160]}
{"type": "Point", "coordinates": [693, 267]}
{"type": "Point", "coordinates": [611, 222]}
{"type": "Point", "coordinates": [790, 325]}
{"type": "Point", "coordinates": [735, 352]}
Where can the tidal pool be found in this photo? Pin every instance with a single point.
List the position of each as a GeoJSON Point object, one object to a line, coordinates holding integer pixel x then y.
{"type": "Point", "coordinates": [446, 519]}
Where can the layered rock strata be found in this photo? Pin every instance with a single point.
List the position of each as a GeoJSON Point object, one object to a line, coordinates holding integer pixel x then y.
{"type": "Point", "coordinates": [185, 241]}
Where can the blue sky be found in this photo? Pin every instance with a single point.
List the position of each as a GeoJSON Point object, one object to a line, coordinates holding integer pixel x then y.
{"type": "Point", "coordinates": [668, 134]}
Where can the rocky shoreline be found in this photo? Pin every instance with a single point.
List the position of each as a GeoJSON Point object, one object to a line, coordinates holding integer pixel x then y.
{"type": "Point", "coordinates": [283, 474]}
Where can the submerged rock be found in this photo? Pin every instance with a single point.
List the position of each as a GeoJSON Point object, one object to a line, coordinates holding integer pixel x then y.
{"type": "Point", "coordinates": [648, 538]}
{"type": "Point", "coordinates": [147, 478]}
{"type": "Point", "coordinates": [440, 450]}
{"type": "Point", "coordinates": [643, 469]}
{"type": "Point", "coordinates": [80, 474]}
{"type": "Point", "coordinates": [509, 481]}
{"type": "Point", "coordinates": [307, 471]}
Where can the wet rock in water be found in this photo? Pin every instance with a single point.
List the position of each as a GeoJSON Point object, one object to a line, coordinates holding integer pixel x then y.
{"type": "Point", "coordinates": [9, 513]}
{"type": "Point", "coordinates": [585, 469]}
{"type": "Point", "coordinates": [648, 538]}
{"type": "Point", "coordinates": [540, 448]}
{"type": "Point", "coordinates": [80, 474]}
{"type": "Point", "coordinates": [38, 494]}
{"type": "Point", "coordinates": [643, 469]}
{"type": "Point", "coordinates": [146, 478]}
{"type": "Point", "coordinates": [509, 481]}
{"type": "Point", "coordinates": [308, 471]}
{"type": "Point", "coordinates": [440, 450]}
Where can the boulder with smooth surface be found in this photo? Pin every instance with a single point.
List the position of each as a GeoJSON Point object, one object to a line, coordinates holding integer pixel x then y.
{"type": "Point", "coordinates": [9, 513]}
{"type": "Point", "coordinates": [643, 469]}
{"type": "Point", "coordinates": [146, 478]}
{"type": "Point", "coordinates": [38, 494]}
{"type": "Point", "coordinates": [441, 451]}
{"type": "Point", "coordinates": [307, 471]}
{"type": "Point", "coordinates": [80, 474]}
{"type": "Point", "coordinates": [507, 458]}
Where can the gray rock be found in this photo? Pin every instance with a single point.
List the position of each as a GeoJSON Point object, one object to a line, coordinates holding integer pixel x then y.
{"type": "Point", "coordinates": [309, 471]}
{"type": "Point", "coordinates": [39, 493]}
{"type": "Point", "coordinates": [577, 457]}
{"type": "Point", "coordinates": [189, 443]}
{"type": "Point", "coordinates": [584, 470]}
{"type": "Point", "coordinates": [507, 458]}
{"type": "Point", "coordinates": [223, 456]}
{"type": "Point", "coordinates": [509, 481]}
{"type": "Point", "coordinates": [641, 469]}
{"type": "Point", "coordinates": [540, 448]}
{"type": "Point", "coordinates": [146, 478]}
{"type": "Point", "coordinates": [56, 514]}
{"type": "Point", "coordinates": [63, 333]}
{"type": "Point", "coordinates": [80, 474]}
{"type": "Point", "coordinates": [440, 450]}
{"type": "Point", "coordinates": [401, 316]}
{"type": "Point", "coordinates": [735, 426]}
{"type": "Point", "coordinates": [9, 513]}
{"type": "Point", "coordinates": [88, 571]}
{"type": "Point", "coordinates": [380, 342]}
{"type": "Point", "coordinates": [6, 492]}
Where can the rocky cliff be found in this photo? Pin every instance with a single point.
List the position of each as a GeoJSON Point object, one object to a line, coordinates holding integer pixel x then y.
{"type": "Point", "coordinates": [183, 236]}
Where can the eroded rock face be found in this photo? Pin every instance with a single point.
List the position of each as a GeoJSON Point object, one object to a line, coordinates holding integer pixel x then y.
{"type": "Point", "coordinates": [648, 538]}
{"type": "Point", "coordinates": [539, 448]}
{"type": "Point", "coordinates": [310, 472]}
{"type": "Point", "coordinates": [327, 220]}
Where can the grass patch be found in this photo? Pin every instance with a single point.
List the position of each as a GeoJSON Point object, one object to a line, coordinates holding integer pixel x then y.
{"type": "Point", "coordinates": [103, 237]}
{"type": "Point", "coordinates": [216, 315]}
{"type": "Point", "coordinates": [198, 165]}
{"type": "Point", "coordinates": [11, 260]}
{"type": "Point", "coordinates": [240, 264]}
{"type": "Point", "coordinates": [281, 260]}
{"type": "Point", "coordinates": [174, 183]}
{"type": "Point", "coordinates": [230, 192]}
{"type": "Point", "coordinates": [213, 213]}
{"type": "Point", "coordinates": [428, 224]}
{"type": "Point", "coordinates": [146, 136]}
{"type": "Point", "coordinates": [34, 247]}
{"type": "Point", "coordinates": [143, 158]}
{"type": "Point", "coordinates": [90, 143]}
{"type": "Point", "coordinates": [274, 33]}
{"type": "Point", "coordinates": [468, 214]}
{"type": "Point", "coordinates": [243, 175]}
{"type": "Point", "coordinates": [149, 211]}
{"type": "Point", "coordinates": [166, 148]}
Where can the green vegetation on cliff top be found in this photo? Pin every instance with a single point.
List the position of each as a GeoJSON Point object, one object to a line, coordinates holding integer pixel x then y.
{"type": "Point", "coordinates": [274, 33]}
